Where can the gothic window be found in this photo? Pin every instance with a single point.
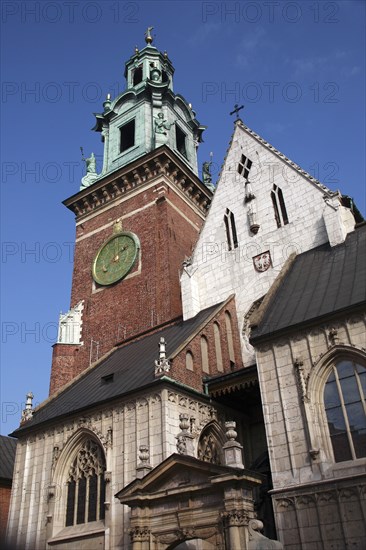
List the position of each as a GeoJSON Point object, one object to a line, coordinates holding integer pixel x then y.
{"type": "Point", "coordinates": [345, 406]}
{"type": "Point", "coordinates": [230, 342]}
{"type": "Point", "coordinates": [279, 206]}
{"type": "Point", "coordinates": [217, 338]}
{"type": "Point", "coordinates": [204, 354]}
{"type": "Point", "coordinates": [189, 360]}
{"type": "Point", "coordinates": [180, 139]}
{"type": "Point", "coordinates": [127, 136]}
{"type": "Point", "coordinates": [244, 166]}
{"type": "Point", "coordinates": [86, 485]}
{"type": "Point", "coordinates": [230, 227]}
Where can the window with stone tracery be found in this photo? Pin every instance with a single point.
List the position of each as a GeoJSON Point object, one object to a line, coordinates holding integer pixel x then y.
{"type": "Point", "coordinates": [210, 445]}
{"type": "Point", "coordinates": [345, 407]}
{"type": "Point", "coordinates": [86, 485]}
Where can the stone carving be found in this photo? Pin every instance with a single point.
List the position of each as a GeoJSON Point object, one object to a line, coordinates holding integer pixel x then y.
{"type": "Point", "coordinates": [88, 462]}
{"type": "Point", "coordinates": [262, 261]}
{"type": "Point", "coordinates": [69, 325]}
{"type": "Point", "coordinates": [208, 450]}
{"type": "Point", "coordinates": [234, 518]}
{"type": "Point", "coordinates": [55, 456]}
{"type": "Point", "coordinates": [301, 378]}
{"type": "Point", "coordinates": [91, 170]}
{"type": "Point", "coordinates": [185, 438]}
{"type": "Point", "coordinates": [162, 365]}
{"type": "Point", "coordinates": [27, 413]}
{"type": "Point", "coordinates": [161, 128]}
{"type": "Point", "coordinates": [139, 534]}
{"type": "Point", "coordinates": [257, 541]}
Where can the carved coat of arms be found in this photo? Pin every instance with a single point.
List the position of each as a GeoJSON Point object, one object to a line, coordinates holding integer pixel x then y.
{"type": "Point", "coordinates": [262, 262]}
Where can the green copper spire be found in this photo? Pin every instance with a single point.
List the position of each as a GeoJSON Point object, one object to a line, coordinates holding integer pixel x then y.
{"type": "Point", "coordinates": [148, 114]}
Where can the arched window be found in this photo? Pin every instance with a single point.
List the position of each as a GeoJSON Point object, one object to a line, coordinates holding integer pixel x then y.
{"type": "Point", "coordinates": [204, 354]}
{"type": "Point", "coordinates": [230, 342]}
{"type": "Point", "coordinates": [344, 401]}
{"type": "Point", "coordinates": [230, 227]}
{"type": "Point", "coordinates": [279, 206]}
{"type": "Point", "coordinates": [217, 338]}
{"type": "Point", "coordinates": [86, 485]}
{"type": "Point", "coordinates": [189, 360]}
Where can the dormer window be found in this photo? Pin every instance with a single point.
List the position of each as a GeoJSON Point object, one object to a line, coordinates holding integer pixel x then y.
{"type": "Point", "coordinates": [180, 138]}
{"type": "Point", "coordinates": [244, 166]}
{"type": "Point", "coordinates": [127, 136]}
{"type": "Point", "coordinates": [137, 76]}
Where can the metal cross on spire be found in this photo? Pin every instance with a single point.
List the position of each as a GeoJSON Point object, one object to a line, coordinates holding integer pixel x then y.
{"type": "Point", "coordinates": [236, 110]}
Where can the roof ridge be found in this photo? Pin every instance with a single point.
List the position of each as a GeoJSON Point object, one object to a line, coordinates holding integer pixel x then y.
{"type": "Point", "coordinates": [288, 161]}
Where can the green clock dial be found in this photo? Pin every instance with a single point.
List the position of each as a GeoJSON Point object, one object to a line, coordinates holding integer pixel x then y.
{"type": "Point", "coordinates": [115, 258]}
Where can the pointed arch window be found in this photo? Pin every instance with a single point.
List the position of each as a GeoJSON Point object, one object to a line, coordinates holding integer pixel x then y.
{"type": "Point", "coordinates": [204, 354]}
{"type": "Point", "coordinates": [345, 407]}
{"type": "Point", "coordinates": [217, 338]}
{"type": "Point", "coordinates": [230, 341]}
{"type": "Point", "coordinates": [230, 227]}
{"type": "Point", "coordinates": [189, 360]}
{"type": "Point", "coordinates": [279, 206]}
{"type": "Point", "coordinates": [86, 485]}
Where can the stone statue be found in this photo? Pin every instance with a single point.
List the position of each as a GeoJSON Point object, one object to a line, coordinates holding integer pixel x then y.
{"type": "Point", "coordinates": [207, 176]}
{"type": "Point", "coordinates": [91, 164]}
{"type": "Point", "coordinates": [161, 125]}
{"type": "Point", "coordinates": [206, 172]}
{"type": "Point", "coordinates": [91, 170]}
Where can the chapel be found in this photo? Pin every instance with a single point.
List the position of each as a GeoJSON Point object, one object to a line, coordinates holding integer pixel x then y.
{"type": "Point", "coordinates": [208, 382]}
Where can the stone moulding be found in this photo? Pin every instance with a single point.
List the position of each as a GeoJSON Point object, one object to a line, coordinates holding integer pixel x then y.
{"type": "Point", "coordinates": [161, 162]}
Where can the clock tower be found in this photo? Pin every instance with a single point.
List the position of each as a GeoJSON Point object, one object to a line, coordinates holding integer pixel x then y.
{"type": "Point", "coordinates": [136, 221]}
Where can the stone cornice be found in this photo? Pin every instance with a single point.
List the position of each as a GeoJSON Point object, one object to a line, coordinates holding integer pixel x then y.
{"type": "Point", "coordinates": [161, 161]}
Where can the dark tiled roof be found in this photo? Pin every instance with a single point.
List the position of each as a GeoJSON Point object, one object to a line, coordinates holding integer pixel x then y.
{"type": "Point", "coordinates": [321, 282]}
{"type": "Point", "coordinates": [7, 453]}
{"type": "Point", "coordinates": [132, 367]}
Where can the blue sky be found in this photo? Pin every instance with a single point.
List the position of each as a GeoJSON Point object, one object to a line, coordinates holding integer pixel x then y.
{"type": "Point", "coordinates": [298, 68]}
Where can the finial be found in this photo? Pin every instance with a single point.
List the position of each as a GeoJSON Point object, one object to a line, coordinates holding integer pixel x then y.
{"type": "Point", "coordinates": [162, 365]}
{"type": "Point", "coordinates": [136, 49]}
{"type": "Point", "coordinates": [148, 37]}
{"type": "Point", "coordinates": [107, 103]}
{"type": "Point", "coordinates": [27, 413]}
{"type": "Point", "coordinates": [236, 110]}
{"type": "Point", "coordinates": [165, 53]}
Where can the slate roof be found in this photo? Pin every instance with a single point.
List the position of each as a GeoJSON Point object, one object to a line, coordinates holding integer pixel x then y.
{"type": "Point", "coordinates": [132, 366]}
{"type": "Point", "coordinates": [7, 453]}
{"type": "Point", "coordinates": [321, 282]}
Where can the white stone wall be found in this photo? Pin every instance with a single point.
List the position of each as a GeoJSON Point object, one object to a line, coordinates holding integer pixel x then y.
{"type": "Point", "coordinates": [215, 272]}
{"type": "Point", "coordinates": [38, 504]}
{"type": "Point", "coordinates": [315, 497]}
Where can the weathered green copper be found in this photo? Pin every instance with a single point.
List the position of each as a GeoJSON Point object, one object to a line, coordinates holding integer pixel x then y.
{"type": "Point", "coordinates": [147, 114]}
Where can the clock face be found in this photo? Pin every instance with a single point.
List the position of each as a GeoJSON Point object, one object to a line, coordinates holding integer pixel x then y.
{"type": "Point", "coordinates": [115, 258]}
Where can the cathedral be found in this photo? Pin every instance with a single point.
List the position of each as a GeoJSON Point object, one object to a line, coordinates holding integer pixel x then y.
{"type": "Point", "coordinates": [208, 382]}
